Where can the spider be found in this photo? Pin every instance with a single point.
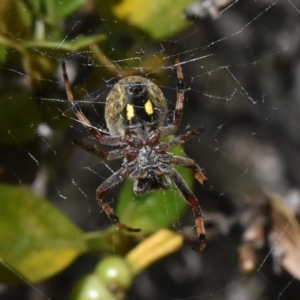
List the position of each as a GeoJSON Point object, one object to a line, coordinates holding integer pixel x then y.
{"type": "Point", "coordinates": [135, 114]}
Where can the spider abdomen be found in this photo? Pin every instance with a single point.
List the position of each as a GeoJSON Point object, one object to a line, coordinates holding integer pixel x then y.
{"type": "Point", "coordinates": [135, 102]}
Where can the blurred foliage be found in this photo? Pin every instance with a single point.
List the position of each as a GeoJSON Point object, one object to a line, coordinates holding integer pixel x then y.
{"type": "Point", "coordinates": [159, 19]}
{"type": "Point", "coordinates": [18, 112]}
{"type": "Point", "coordinates": [36, 240]}
{"type": "Point", "coordinates": [114, 275]}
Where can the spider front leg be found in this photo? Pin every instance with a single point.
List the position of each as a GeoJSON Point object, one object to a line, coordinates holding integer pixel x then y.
{"type": "Point", "coordinates": [95, 132]}
{"type": "Point", "coordinates": [103, 189]}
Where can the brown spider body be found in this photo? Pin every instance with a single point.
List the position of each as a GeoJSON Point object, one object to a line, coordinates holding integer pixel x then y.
{"type": "Point", "coordinates": [137, 107]}
{"type": "Point", "coordinates": [135, 114]}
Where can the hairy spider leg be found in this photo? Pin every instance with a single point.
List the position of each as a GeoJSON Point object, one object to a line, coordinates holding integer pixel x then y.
{"type": "Point", "coordinates": [180, 90]}
{"type": "Point", "coordinates": [109, 183]}
{"type": "Point", "coordinates": [95, 132]}
{"type": "Point", "coordinates": [191, 164]}
{"type": "Point", "coordinates": [111, 155]}
{"type": "Point", "coordinates": [185, 161]}
{"type": "Point", "coordinates": [169, 129]}
{"type": "Point", "coordinates": [181, 139]}
{"type": "Point", "coordinates": [191, 199]}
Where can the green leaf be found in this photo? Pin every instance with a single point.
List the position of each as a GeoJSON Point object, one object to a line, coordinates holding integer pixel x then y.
{"type": "Point", "coordinates": [36, 240]}
{"type": "Point", "coordinates": [75, 45]}
{"type": "Point", "coordinates": [55, 10]}
{"type": "Point", "coordinates": [158, 18]}
{"type": "Point", "coordinates": [41, 66]}
{"type": "Point", "coordinates": [155, 210]}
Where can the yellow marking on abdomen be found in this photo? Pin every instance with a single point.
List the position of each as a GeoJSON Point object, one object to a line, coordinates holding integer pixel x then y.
{"type": "Point", "coordinates": [149, 107]}
{"type": "Point", "coordinates": [130, 112]}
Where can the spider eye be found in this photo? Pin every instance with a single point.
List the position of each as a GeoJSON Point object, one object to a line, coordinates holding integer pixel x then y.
{"type": "Point", "coordinates": [135, 88]}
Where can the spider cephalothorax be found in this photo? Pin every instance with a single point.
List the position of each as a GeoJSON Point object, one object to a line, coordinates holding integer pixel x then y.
{"type": "Point", "coordinates": [135, 115]}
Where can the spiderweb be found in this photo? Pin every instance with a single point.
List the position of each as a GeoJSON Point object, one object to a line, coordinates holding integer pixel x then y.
{"type": "Point", "coordinates": [241, 65]}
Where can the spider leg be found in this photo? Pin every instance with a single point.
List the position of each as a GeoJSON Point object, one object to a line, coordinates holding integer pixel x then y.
{"type": "Point", "coordinates": [167, 130]}
{"type": "Point", "coordinates": [103, 189]}
{"type": "Point", "coordinates": [184, 137]}
{"type": "Point", "coordinates": [190, 163]}
{"type": "Point", "coordinates": [100, 137]}
{"type": "Point", "coordinates": [111, 155]}
{"type": "Point", "coordinates": [180, 89]}
{"type": "Point", "coordinates": [191, 199]}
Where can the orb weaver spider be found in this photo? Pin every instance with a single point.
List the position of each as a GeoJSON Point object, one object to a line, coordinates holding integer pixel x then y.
{"type": "Point", "coordinates": [135, 114]}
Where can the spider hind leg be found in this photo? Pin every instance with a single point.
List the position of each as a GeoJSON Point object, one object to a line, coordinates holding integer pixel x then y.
{"type": "Point", "coordinates": [191, 199]}
{"type": "Point", "coordinates": [100, 193]}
